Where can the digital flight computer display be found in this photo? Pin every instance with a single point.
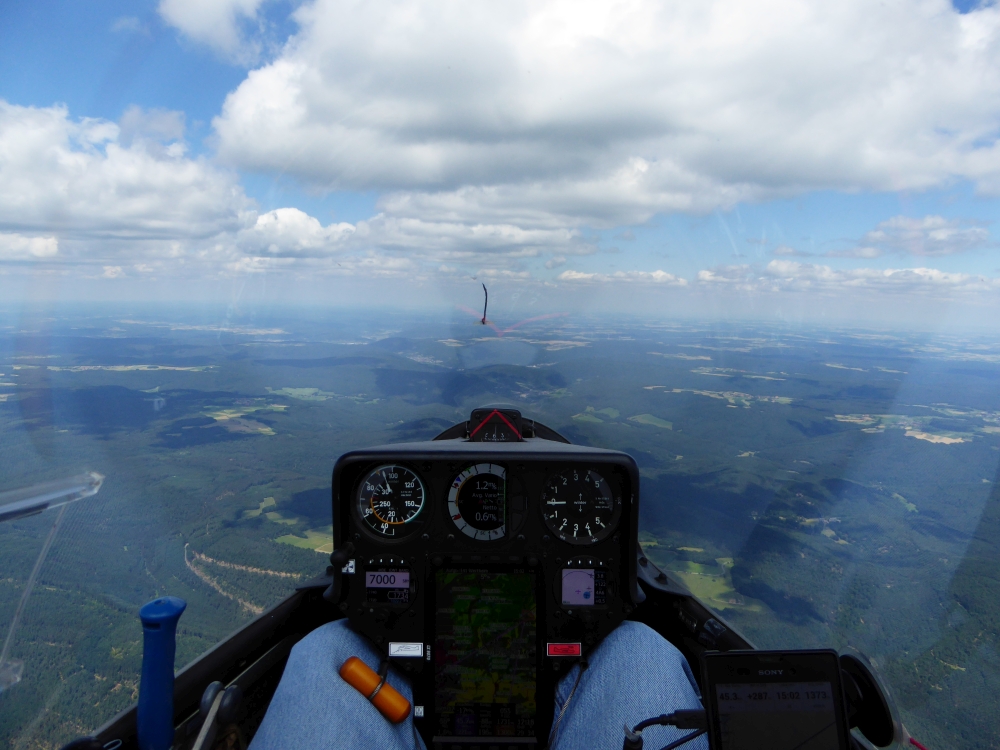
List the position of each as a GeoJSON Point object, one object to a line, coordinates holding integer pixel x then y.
{"type": "Point", "coordinates": [486, 566]}
{"type": "Point", "coordinates": [485, 654]}
{"type": "Point", "coordinates": [764, 700]}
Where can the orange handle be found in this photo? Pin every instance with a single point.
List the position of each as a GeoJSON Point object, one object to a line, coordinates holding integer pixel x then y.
{"type": "Point", "coordinates": [388, 701]}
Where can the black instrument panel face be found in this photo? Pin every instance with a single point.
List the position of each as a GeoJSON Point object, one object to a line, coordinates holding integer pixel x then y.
{"type": "Point", "coordinates": [451, 545]}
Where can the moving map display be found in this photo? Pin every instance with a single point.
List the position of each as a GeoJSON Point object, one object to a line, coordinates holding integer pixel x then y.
{"type": "Point", "coordinates": [584, 587]}
{"type": "Point", "coordinates": [485, 654]}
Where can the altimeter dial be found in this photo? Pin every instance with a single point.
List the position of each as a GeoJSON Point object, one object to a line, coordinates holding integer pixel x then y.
{"type": "Point", "coordinates": [390, 500]}
{"type": "Point", "coordinates": [477, 501]}
{"type": "Point", "coordinates": [580, 507]}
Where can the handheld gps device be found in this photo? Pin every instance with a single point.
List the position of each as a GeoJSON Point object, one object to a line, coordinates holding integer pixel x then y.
{"type": "Point", "coordinates": [775, 700]}
{"type": "Point", "coordinates": [485, 565]}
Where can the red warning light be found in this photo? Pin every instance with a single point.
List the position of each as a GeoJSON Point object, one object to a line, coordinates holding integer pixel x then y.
{"type": "Point", "coordinates": [564, 649]}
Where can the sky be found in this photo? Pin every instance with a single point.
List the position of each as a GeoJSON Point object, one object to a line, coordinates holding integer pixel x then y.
{"type": "Point", "coordinates": [779, 159]}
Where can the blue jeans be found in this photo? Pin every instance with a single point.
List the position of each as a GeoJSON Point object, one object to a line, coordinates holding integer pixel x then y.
{"type": "Point", "coordinates": [634, 674]}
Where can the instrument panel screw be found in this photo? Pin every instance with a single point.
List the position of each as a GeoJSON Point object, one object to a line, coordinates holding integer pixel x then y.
{"type": "Point", "coordinates": [425, 536]}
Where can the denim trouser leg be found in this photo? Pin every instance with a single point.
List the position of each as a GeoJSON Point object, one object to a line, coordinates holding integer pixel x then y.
{"type": "Point", "coordinates": [314, 709]}
{"type": "Point", "coordinates": [634, 674]}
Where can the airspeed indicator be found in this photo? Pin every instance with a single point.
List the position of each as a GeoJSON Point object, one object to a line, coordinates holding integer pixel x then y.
{"type": "Point", "coordinates": [390, 499]}
{"type": "Point", "coordinates": [580, 507]}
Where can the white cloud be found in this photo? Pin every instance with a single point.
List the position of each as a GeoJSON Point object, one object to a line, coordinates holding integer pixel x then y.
{"type": "Point", "coordinates": [456, 240]}
{"type": "Point", "coordinates": [291, 232]}
{"type": "Point", "coordinates": [929, 236]}
{"type": "Point", "coordinates": [77, 179]}
{"type": "Point", "coordinates": [113, 272]}
{"type": "Point", "coordinates": [554, 114]}
{"type": "Point", "coordinates": [855, 252]}
{"type": "Point", "coordinates": [791, 276]}
{"type": "Point", "coordinates": [15, 246]}
{"type": "Point", "coordinates": [629, 277]}
{"type": "Point", "coordinates": [220, 24]}
{"type": "Point", "coordinates": [152, 126]}
{"type": "Point", "coordinates": [785, 251]}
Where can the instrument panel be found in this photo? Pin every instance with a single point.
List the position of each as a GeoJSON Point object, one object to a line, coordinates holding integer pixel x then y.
{"type": "Point", "coordinates": [579, 506]}
{"type": "Point", "coordinates": [466, 555]}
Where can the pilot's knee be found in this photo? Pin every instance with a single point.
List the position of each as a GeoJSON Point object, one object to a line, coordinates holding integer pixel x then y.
{"type": "Point", "coordinates": [332, 643]}
{"type": "Point", "coordinates": [636, 639]}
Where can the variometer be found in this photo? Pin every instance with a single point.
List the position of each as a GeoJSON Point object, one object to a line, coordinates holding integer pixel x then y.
{"type": "Point", "coordinates": [579, 506]}
{"type": "Point", "coordinates": [477, 501]}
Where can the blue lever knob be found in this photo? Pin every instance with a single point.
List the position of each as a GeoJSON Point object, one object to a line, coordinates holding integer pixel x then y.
{"type": "Point", "coordinates": [155, 720]}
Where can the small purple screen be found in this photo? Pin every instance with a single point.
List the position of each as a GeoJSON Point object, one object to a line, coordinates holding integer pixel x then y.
{"type": "Point", "coordinates": [388, 580]}
{"type": "Point", "coordinates": [578, 587]}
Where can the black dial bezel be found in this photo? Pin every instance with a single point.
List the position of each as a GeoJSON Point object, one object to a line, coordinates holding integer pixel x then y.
{"type": "Point", "coordinates": [582, 541]}
{"type": "Point", "coordinates": [407, 527]}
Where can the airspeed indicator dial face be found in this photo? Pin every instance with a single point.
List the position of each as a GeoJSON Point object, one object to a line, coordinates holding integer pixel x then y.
{"type": "Point", "coordinates": [390, 500]}
{"type": "Point", "coordinates": [580, 507]}
{"type": "Point", "coordinates": [477, 501]}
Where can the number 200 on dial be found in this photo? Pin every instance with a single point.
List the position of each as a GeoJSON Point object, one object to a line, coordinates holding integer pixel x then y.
{"type": "Point", "coordinates": [390, 499]}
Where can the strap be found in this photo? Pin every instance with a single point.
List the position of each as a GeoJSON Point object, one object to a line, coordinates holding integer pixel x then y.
{"type": "Point", "coordinates": [383, 671]}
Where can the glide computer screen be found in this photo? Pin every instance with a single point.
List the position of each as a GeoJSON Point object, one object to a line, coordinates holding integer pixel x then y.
{"type": "Point", "coordinates": [777, 716]}
{"type": "Point", "coordinates": [485, 654]}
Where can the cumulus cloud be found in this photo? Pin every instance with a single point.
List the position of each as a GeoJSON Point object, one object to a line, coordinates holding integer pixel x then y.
{"type": "Point", "coordinates": [554, 113]}
{"type": "Point", "coordinates": [220, 24]}
{"type": "Point", "coordinates": [624, 277]}
{"type": "Point", "coordinates": [929, 236]}
{"type": "Point", "coordinates": [788, 275]}
{"type": "Point", "coordinates": [77, 179]}
{"type": "Point", "coordinates": [454, 240]}
{"type": "Point", "coordinates": [16, 246]}
{"type": "Point", "coordinates": [292, 233]}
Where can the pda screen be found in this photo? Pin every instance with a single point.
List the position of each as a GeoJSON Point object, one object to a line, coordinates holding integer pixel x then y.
{"type": "Point", "coordinates": [485, 654]}
{"type": "Point", "coordinates": [777, 716]}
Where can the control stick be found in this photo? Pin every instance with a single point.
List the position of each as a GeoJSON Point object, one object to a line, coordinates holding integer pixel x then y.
{"type": "Point", "coordinates": [155, 714]}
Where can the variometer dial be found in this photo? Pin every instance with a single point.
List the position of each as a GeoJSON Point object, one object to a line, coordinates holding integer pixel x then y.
{"type": "Point", "coordinates": [477, 501]}
{"type": "Point", "coordinates": [580, 507]}
{"type": "Point", "coordinates": [390, 499]}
